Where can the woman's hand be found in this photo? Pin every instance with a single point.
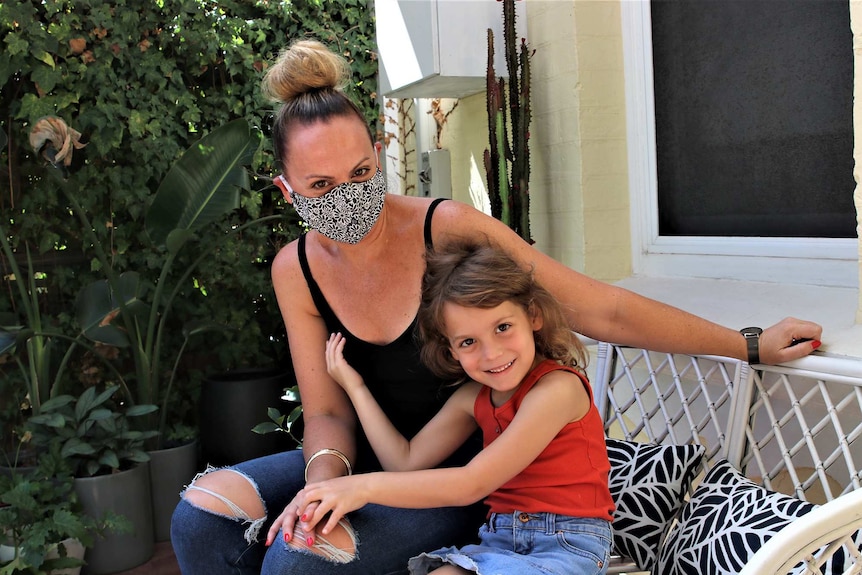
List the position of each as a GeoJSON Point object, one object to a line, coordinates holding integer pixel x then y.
{"type": "Point", "coordinates": [286, 522]}
{"type": "Point", "coordinates": [789, 339]}
{"type": "Point", "coordinates": [337, 366]}
{"type": "Point", "coordinates": [335, 497]}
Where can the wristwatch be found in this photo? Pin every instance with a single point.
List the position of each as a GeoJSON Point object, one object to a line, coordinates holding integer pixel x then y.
{"type": "Point", "coordinates": [752, 339]}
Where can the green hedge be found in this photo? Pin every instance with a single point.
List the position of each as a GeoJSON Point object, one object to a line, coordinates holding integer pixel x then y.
{"type": "Point", "coordinates": [142, 80]}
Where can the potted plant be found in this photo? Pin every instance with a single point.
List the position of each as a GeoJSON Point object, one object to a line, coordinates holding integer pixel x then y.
{"type": "Point", "coordinates": [289, 423]}
{"type": "Point", "coordinates": [232, 406]}
{"type": "Point", "coordinates": [128, 310]}
{"type": "Point", "coordinates": [94, 435]}
{"type": "Point", "coordinates": [43, 528]}
{"type": "Point", "coordinates": [131, 311]}
{"type": "Point", "coordinates": [28, 340]}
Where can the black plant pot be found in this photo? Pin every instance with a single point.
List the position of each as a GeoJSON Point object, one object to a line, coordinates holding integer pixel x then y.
{"type": "Point", "coordinates": [231, 404]}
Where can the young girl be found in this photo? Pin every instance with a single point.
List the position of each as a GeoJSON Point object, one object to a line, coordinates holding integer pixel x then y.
{"type": "Point", "coordinates": [485, 323]}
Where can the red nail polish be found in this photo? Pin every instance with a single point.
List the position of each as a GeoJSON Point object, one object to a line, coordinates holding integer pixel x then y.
{"type": "Point", "coordinates": [287, 537]}
{"type": "Point", "coordinates": [304, 517]}
{"type": "Point", "coordinates": [815, 344]}
{"type": "Point", "coordinates": [310, 541]}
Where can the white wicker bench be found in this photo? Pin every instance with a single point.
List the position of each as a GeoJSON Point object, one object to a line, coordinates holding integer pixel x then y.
{"type": "Point", "coordinates": [790, 430]}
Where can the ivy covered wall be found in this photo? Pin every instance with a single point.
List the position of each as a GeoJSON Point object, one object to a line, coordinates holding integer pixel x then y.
{"type": "Point", "coordinates": [142, 80]}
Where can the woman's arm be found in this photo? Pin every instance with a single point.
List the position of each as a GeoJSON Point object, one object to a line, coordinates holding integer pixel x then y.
{"type": "Point", "coordinates": [328, 419]}
{"type": "Point", "coordinates": [558, 398]}
{"type": "Point", "coordinates": [437, 440]}
{"type": "Point", "coordinates": [609, 313]}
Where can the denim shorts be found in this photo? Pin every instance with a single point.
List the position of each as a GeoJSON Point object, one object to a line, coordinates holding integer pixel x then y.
{"type": "Point", "coordinates": [529, 544]}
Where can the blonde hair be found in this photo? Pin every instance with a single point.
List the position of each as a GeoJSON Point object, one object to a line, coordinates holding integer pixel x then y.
{"type": "Point", "coordinates": [472, 274]}
{"type": "Point", "coordinates": [307, 80]}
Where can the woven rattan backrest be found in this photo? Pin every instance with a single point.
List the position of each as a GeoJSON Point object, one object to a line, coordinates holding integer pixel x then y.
{"type": "Point", "coordinates": [794, 430]}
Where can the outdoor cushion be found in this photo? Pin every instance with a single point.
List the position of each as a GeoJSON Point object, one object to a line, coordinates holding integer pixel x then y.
{"type": "Point", "coordinates": [727, 519]}
{"type": "Point", "coordinates": [648, 483]}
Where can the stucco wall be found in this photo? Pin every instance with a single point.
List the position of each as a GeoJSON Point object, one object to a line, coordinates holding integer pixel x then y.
{"type": "Point", "coordinates": [465, 135]}
{"type": "Point", "coordinates": [579, 133]}
{"type": "Point", "coordinates": [579, 183]}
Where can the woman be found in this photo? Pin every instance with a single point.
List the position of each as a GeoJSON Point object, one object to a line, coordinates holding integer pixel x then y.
{"type": "Point", "coordinates": [359, 272]}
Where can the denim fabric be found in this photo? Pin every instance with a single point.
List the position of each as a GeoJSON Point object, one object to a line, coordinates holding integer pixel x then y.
{"type": "Point", "coordinates": [529, 544]}
{"type": "Point", "coordinates": [206, 543]}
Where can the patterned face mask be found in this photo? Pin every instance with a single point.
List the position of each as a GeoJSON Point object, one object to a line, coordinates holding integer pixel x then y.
{"type": "Point", "coordinates": [347, 212]}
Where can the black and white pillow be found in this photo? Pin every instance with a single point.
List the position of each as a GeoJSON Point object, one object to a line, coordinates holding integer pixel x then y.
{"type": "Point", "coordinates": [648, 483]}
{"type": "Point", "coordinates": [727, 519]}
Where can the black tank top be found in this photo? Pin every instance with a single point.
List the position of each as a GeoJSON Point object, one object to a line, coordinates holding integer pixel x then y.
{"type": "Point", "coordinates": [406, 390]}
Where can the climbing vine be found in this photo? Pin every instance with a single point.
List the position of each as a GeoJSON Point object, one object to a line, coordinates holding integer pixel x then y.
{"type": "Point", "coordinates": [142, 80]}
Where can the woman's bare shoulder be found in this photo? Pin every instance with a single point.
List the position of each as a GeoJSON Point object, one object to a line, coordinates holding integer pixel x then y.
{"type": "Point", "coordinates": [412, 204]}
{"type": "Point", "coordinates": [285, 265]}
{"type": "Point", "coordinates": [457, 220]}
{"type": "Point", "coordinates": [287, 255]}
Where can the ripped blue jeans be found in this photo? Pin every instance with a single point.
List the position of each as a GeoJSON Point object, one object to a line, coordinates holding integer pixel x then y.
{"type": "Point", "coordinates": [209, 543]}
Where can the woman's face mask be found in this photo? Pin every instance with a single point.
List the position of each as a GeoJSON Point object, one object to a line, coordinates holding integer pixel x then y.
{"type": "Point", "coordinates": [347, 212]}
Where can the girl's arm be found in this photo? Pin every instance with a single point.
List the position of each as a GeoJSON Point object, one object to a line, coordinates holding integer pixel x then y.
{"type": "Point", "coordinates": [557, 399]}
{"type": "Point", "coordinates": [440, 437]}
{"type": "Point", "coordinates": [609, 313]}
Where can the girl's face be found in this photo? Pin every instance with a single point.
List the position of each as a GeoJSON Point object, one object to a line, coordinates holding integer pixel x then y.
{"type": "Point", "coordinates": [494, 346]}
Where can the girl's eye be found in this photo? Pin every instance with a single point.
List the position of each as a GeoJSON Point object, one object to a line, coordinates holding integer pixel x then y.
{"type": "Point", "coordinates": [466, 342]}
{"type": "Point", "coordinates": [361, 172]}
{"type": "Point", "coordinates": [319, 185]}
{"type": "Point", "coordinates": [504, 327]}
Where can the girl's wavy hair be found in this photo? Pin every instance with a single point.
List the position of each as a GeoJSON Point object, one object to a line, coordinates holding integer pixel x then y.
{"type": "Point", "coordinates": [473, 274]}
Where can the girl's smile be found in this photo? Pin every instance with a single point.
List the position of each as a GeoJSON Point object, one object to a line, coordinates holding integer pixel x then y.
{"type": "Point", "coordinates": [504, 368]}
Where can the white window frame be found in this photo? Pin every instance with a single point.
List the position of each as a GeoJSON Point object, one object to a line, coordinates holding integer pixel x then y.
{"type": "Point", "coordinates": [813, 261]}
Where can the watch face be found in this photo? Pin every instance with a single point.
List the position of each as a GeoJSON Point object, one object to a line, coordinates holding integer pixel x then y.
{"type": "Point", "coordinates": [751, 331]}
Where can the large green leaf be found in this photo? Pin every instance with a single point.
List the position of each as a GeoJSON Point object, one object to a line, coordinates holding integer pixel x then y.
{"type": "Point", "coordinates": [97, 308]}
{"type": "Point", "coordinates": [204, 183]}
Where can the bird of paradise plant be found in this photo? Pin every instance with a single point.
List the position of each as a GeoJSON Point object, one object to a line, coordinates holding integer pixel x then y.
{"type": "Point", "coordinates": [125, 309]}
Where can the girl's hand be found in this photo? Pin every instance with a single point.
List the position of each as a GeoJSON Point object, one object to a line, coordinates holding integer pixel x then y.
{"type": "Point", "coordinates": [286, 522]}
{"type": "Point", "coordinates": [337, 366]}
{"type": "Point", "coordinates": [337, 497]}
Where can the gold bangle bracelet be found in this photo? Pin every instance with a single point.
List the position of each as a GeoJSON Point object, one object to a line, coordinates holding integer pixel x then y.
{"type": "Point", "coordinates": [334, 452]}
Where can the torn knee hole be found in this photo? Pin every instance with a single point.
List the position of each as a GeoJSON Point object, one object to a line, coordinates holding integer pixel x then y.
{"type": "Point", "coordinates": [339, 546]}
{"type": "Point", "coordinates": [206, 492]}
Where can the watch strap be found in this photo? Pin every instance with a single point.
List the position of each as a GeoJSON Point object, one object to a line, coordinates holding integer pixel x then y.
{"type": "Point", "coordinates": [752, 340]}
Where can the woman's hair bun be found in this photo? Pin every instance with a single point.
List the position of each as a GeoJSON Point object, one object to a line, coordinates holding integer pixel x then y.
{"type": "Point", "coordinates": [305, 66]}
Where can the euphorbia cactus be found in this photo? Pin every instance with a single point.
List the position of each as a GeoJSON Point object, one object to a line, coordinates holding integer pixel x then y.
{"type": "Point", "coordinates": [507, 160]}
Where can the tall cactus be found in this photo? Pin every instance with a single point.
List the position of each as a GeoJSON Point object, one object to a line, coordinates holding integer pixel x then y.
{"type": "Point", "coordinates": [507, 160]}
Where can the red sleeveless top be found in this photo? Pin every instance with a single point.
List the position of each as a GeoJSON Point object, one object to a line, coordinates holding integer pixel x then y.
{"type": "Point", "coordinates": [570, 477]}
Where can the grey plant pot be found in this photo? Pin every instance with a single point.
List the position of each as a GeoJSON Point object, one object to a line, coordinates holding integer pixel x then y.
{"type": "Point", "coordinates": [170, 470]}
{"type": "Point", "coordinates": [128, 494]}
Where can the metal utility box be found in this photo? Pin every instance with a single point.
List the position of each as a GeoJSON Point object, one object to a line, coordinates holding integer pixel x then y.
{"type": "Point", "coordinates": [439, 48]}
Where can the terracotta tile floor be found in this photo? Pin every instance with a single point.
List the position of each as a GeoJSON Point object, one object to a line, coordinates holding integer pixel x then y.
{"type": "Point", "coordinates": [163, 562]}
